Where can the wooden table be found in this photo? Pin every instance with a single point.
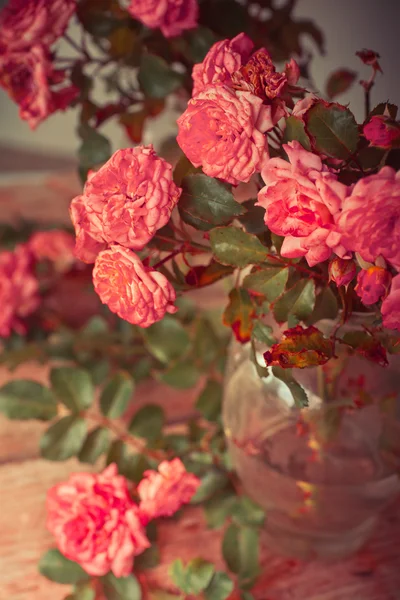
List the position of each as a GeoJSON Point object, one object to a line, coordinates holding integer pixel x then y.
{"type": "Point", "coordinates": [374, 574]}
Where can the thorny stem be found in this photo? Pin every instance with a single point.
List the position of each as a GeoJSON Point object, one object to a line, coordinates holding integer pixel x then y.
{"type": "Point", "coordinates": [367, 99]}
{"type": "Point", "coordinates": [297, 267]}
{"type": "Point", "coordinates": [170, 256]}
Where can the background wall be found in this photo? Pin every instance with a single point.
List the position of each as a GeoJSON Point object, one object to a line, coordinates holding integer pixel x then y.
{"type": "Point", "coordinates": [348, 25]}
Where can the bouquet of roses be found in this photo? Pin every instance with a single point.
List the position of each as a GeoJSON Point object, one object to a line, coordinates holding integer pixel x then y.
{"type": "Point", "coordinates": [277, 190]}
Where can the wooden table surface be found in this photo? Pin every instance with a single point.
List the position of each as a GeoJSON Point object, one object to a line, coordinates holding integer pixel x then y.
{"type": "Point", "coordinates": [373, 574]}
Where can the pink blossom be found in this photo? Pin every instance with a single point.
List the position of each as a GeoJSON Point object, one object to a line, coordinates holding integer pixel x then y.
{"type": "Point", "coordinates": [373, 285]}
{"type": "Point", "coordinates": [19, 289]}
{"type": "Point", "coordinates": [96, 523]}
{"type": "Point", "coordinates": [370, 220]}
{"type": "Point", "coordinates": [223, 59]}
{"type": "Point", "coordinates": [124, 202]}
{"type": "Point", "coordinates": [382, 131]}
{"type": "Point", "coordinates": [25, 23]}
{"type": "Point", "coordinates": [391, 306]}
{"type": "Point", "coordinates": [301, 199]}
{"type": "Point", "coordinates": [303, 105]}
{"type": "Point", "coordinates": [223, 132]}
{"type": "Point", "coordinates": [56, 246]}
{"type": "Point", "coordinates": [171, 16]}
{"type": "Point", "coordinates": [342, 271]}
{"type": "Point", "coordinates": [135, 293]}
{"type": "Point", "coordinates": [162, 493]}
{"type": "Point", "coordinates": [27, 76]}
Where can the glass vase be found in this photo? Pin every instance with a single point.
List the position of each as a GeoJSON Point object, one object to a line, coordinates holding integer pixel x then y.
{"type": "Point", "coordinates": [320, 473]}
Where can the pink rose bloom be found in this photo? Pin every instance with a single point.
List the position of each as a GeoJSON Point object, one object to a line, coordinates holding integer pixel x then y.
{"type": "Point", "coordinates": [27, 76]}
{"type": "Point", "coordinates": [24, 23]}
{"type": "Point", "coordinates": [135, 293]}
{"type": "Point", "coordinates": [373, 284]}
{"type": "Point", "coordinates": [19, 289]}
{"type": "Point", "coordinates": [124, 202]}
{"type": "Point", "coordinates": [391, 306]}
{"type": "Point", "coordinates": [163, 492]}
{"type": "Point", "coordinates": [223, 59]}
{"type": "Point", "coordinates": [56, 246]}
{"type": "Point", "coordinates": [301, 199]}
{"type": "Point", "coordinates": [370, 220]}
{"type": "Point", "coordinates": [96, 523]}
{"type": "Point", "coordinates": [382, 131]}
{"type": "Point", "coordinates": [171, 16]}
{"type": "Point", "coordinates": [223, 132]}
{"type": "Point", "coordinates": [342, 271]}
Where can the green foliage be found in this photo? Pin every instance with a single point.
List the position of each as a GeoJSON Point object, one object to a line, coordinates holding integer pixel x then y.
{"type": "Point", "coordinates": [299, 395]}
{"type": "Point", "coordinates": [206, 202]}
{"type": "Point", "coordinates": [200, 41]}
{"type": "Point", "coordinates": [206, 342]}
{"type": "Point", "coordinates": [56, 567]}
{"type": "Point", "coordinates": [263, 333]}
{"type": "Point", "coordinates": [192, 578]}
{"type": "Point", "coordinates": [210, 400]}
{"type": "Point", "coordinates": [96, 444]}
{"type": "Point", "coordinates": [333, 129]}
{"type": "Point", "coordinates": [269, 282]}
{"type": "Point", "coordinates": [182, 375]}
{"type": "Point", "coordinates": [73, 387]}
{"type": "Point", "coordinates": [130, 465]}
{"type": "Point", "coordinates": [64, 439]}
{"type": "Point", "coordinates": [211, 482]}
{"type": "Point", "coordinates": [116, 394]}
{"type": "Point", "coordinates": [82, 591]}
{"type": "Point", "coordinates": [167, 340]}
{"type": "Point", "coordinates": [122, 588]}
{"type": "Point", "coordinates": [94, 150]}
{"type": "Point", "coordinates": [149, 559]}
{"type": "Point", "coordinates": [240, 549]}
{"type": "Point", "coordinates": [156, 78]}
{"type": "Point", "coordinates": [220, 587]}
{"type": "Point", "coordinates": [297, 302]}
{"type": "Point", "coordinates": [148, 422]}
{"type": "Point", "coordinates": [234, 247]}
{"type": "Point", "coordinates": [253, 219]}
{"type": "Point", "coordinates": [24, 399]}
{"type": "Point", "coordinates": [295, 130]}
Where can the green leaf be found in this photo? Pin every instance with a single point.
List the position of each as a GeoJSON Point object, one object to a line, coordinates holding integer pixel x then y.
{"type": "Point", "coordinates": [183, 375]}
{"type": "Point", "coordinates": [245, 512]}
{"type": "Point", "coordinates": [56, 567]}
{"type": "Point", "coordinates": [122, 588]}
{"type": "Point", "coordinates": [220, 587]}
{"type": "Point", "coordinates": [63, 439]}
{"type": "Point", "coordinates": [148, 422]}
{"type": "Point", "coordinates": [156, 78]}
{"type": "Point", "coordinates": [167, 340]}
{"type": "Point", "coordinates": [218, 508]}
{"type": "Point", "coordinates": [96, 444]}
{"type": "Point", "coordinates": [269, 282]}
{"type": "Point", "coordinates": [200, 41]}
{"type": "Point", "coordinates": [116, 395]}
{"type": "Point", "coordinates": [149, 559]}
{"type": "Point", "coordinates": [193, 578]}
{"type": "Point", "coordinates": [95, 150]}
{"type": "Point", "coordinates": [263, 333]}
{"type": "Point", "coordinates": [239, 314]}
{"type": "Point", "coordinates": [213, 481]}
{"type": "Point", "coordinates": [298, 302]}
{"type": "Point", "coordinates": [385, 107]}
{"type": "Point", "coordinates": [234, 247]}
{"type": "Point", "coordinates": [299, 395]}
{"type": "Point", "coordinates": [179, 575]}
{"type": "Point", "coordinates": [230, 548]}
{"type": "Point", "coordinates": [253, 218]}
{"type": "Point", "coordinates": [333, 129]}
{"type": "Point", "coordinates": [132, 466]}
{"type": "Point", "coordinates": [25, 399]}
{"type": "Point", "coordinates": [210, 400]}
{"type": "Point", "coordinates": [82, 591]}
{"type": "Point", "coordinates": [206, 202]}
{"type": "Point", "coordinates": [206, 342]}
{"type": "Point", "coordinates": [73, 387]}
{"type": "Point", "coordinates": [326, 307]}
{"type": "Point", "coordinates": [249, 557]}
{"type": "Point", "coordinates": [295, 130]}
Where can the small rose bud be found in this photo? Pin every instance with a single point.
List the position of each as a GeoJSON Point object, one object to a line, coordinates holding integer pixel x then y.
{"type": "Point", "coordinates": [373, 285]}
{"type": "Point", "coordinates": [342, 271]}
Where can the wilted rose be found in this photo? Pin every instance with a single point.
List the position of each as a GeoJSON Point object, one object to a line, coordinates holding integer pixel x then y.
{"type": "Point", "coordinates": [223, 132]}
{"type": "Point", "coordinates": [96, 523]}
{"type": "Point", "coordinates": [163, 492]}
{"type": "Point", "coordinates": [135, 293]}
{"type": "Point", "coordinates": [171, 16]}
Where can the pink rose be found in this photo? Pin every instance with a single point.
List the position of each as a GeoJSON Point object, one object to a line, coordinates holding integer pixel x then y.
{"type": "Point", "coordinates": [135, 293]}
{"type": "Point", "coordinates": [27, 76]}
{"type": "Point", "coordinates": [125, 201]}
{"type": "Point", "coordinates": [171, 16]}
{"type": "Point", "coordinates": [382, 131]}
{"type": "Point", "coordinates": [96, 523]}
{"type": "Point", "coordinates": [373, 284]}
{"type": "Point", "coordinates": [24, 23]}
{"type": "Point", "coordinates": [342, 271]}
{"type": "Point", "coordinates": [223, 132]}
{"type": "Point", "coordinates": [301, 199]}
{"type": "Point", "coordinates": [162, 493]}
{"type": "Point", "coordinates": [391, 306]}
{"type": "Point", "coordinates": [56, 246]}
{"type": "Point", "coordinates": [369, 223]}
{"type": "Point", "coordinates": [223, 59]}
{"type": "Point", "coordinates": [19, 289]}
